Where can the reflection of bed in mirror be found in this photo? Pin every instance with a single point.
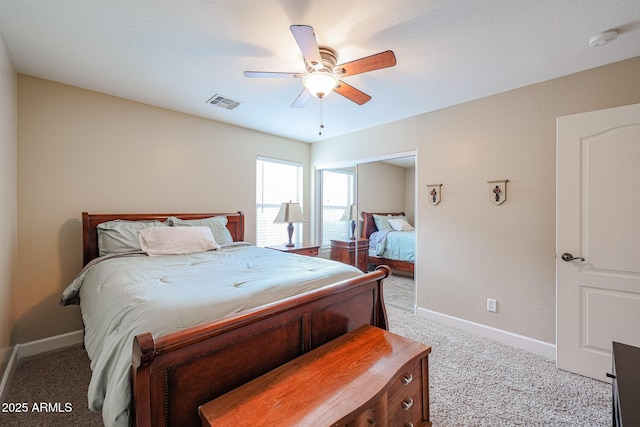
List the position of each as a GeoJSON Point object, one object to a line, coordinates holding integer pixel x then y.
{"type": "Point", "coordinates": [387, 246]}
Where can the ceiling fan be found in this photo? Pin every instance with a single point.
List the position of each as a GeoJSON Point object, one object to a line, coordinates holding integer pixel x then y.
{"type": "Point", "coordinates": [323, 75]}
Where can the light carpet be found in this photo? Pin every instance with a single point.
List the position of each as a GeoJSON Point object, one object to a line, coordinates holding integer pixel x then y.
{"type": "Point", "coordinates": [473, 382]}
{"type": "Point", "coordinates": [398, 292]}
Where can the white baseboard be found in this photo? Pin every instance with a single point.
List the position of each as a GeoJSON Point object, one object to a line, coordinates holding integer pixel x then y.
{"type": "Point", "coordinates": [52, 343]}
{"type": "Point", "coordinates": [509, 338]}
{"type": "Point", "coordinates": [32, 348]}
{"type": "Point", "coordinates": [10, 369]}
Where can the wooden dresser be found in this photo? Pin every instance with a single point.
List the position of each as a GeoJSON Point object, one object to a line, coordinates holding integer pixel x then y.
{"type": "Point", "coordinates": [366, 377]}
{"type": "Point", "coordinates": [626, 385]}
{"type": "Point", "coordinates": [347, 252]}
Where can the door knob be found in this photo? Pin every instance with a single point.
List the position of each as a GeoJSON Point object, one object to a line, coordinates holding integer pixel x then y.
{"type": "Point", "coordinates": [568, 257]}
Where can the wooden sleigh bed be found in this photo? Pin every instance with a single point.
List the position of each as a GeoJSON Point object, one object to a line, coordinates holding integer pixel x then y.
{"type": "Point", "coordinates": [172, 375]}
{"type": "Point", "coordinates": [368, 228]}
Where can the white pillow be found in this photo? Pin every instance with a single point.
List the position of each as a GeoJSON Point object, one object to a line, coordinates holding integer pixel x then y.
{"type": "Point", "coordinates": [399, 224]}
{"type": "Point", "coordinates": [176, 240]}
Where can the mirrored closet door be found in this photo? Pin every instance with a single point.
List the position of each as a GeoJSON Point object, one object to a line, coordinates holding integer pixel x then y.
{"type": "Point", "coordinates": [350, 194]}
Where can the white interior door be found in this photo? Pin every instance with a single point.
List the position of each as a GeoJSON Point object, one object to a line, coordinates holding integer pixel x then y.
{"type": "Point", "coordinates": [598, 219]}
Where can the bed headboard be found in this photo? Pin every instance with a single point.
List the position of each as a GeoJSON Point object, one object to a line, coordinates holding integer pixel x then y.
{"type": "Point", "coordinates": [235, 225]}
{"type": "Point", "coordinates": [369, 225]}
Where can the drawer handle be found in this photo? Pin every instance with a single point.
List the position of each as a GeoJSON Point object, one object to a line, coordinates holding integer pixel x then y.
{"type": "Point", "coordinates": [407, 404]}
{"type": "Point", "coordinates": [371, 422]}
{"type": "Point", "coordinates": [408, 424]}
{"type": "Point", "coordinates": [406, 380]}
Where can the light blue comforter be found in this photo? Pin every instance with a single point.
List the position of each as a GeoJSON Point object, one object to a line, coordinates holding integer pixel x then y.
{"type": "Point", "coordinates": [122, 297]}
{"type": "Point", "coordinates": [396, 245]}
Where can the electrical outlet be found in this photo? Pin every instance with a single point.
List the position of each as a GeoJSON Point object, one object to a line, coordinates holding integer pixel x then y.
{"type": "Point", "coordinates": [492, 305]}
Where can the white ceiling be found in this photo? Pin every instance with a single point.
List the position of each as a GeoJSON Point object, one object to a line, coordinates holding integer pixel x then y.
{"type": "Point", "coordinates": [177, 54]}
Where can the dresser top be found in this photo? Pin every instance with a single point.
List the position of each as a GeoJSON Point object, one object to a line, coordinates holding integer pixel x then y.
{"type": "Point", "coordinates": [321, 386]}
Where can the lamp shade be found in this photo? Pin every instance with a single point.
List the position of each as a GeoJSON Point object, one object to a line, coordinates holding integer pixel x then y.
{"type": "Point", "coordinates": [350, 214]}
{"type": "Point", "coordinates": [320, 83]}
{"type": "Point", "coordinates": [289, 212]}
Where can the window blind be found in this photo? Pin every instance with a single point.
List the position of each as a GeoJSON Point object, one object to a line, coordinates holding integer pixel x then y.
{"type": "Point", "coordinates": [337, 194]}
{"type": "Point", "coordinates": [277, 181]}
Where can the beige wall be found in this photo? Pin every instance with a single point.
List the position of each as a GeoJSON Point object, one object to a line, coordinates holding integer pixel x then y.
{"type": "Point", "coordinates": [8, 201]}
{"type": "Point", "coordinates": [469, 249]}
{"type": "Point", "coordinates": [84, 151]}
{"type": "Point", "coordinates": [381, 187]}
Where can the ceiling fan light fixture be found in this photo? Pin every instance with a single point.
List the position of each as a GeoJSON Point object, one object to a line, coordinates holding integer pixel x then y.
{"type": "Point", "coordinates": [320, 83]}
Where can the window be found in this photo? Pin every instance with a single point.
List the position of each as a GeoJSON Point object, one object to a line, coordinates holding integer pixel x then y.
{"type": "Point", "coordinates": [277, 181]}
{"type": "Point", "coordinates": [337, 193]}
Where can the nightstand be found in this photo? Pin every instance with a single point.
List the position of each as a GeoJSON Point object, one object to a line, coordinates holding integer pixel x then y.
{"type": "Point", "coordinates": [345, 251]}
{"type": "Point", "coordinates": [308, 250]}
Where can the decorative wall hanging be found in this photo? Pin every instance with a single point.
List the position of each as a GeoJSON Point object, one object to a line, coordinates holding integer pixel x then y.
{"type": "Point", "coordinates": [498, 191]}
{"type": "Point", "coordinates": [435, 193]}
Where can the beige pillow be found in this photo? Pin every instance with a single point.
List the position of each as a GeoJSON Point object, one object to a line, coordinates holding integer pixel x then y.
{"type": "Point", "coordinates": [399, 224]}
{"type": "Point", "coordinates": [176, 240]}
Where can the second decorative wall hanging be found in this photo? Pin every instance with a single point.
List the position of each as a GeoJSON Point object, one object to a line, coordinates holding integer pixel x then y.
{"type": "Point", "coordinates": [498, 191]}
{"type": "Point", "coordinates": [435, 193]}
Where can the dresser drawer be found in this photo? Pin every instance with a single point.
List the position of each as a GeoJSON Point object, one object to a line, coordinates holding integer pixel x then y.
{"type": "Point", "coordinates": [405, 397]}
{"type": "Point", "coordinates": [374, 415]}
{"type": "Point", "coordinates": [313, 252]}
{"type": "Point", "coordinates": [308, 250]}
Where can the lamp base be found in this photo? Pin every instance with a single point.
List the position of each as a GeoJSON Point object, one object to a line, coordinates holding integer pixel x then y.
{"type": "Point", "coordinates": [353, 230]}
{"type": "Point", "coordinates": [290, 233]}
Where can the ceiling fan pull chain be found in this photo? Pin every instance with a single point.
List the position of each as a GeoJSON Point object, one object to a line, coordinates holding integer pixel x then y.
{"type": "Point", "coordinates": [321, 118]}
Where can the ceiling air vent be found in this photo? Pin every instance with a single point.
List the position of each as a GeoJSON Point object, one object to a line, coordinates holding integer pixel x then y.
{"type": "Point", "coordinates": [223, 102]}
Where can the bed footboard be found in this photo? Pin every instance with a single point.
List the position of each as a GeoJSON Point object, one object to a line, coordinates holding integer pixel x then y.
{"type": "Point", "coordinates": [175, 374]}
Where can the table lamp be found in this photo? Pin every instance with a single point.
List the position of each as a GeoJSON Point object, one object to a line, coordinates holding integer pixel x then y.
{"type": "Point", "coordinates": [351, 214]}
{"type": "Point", "coordinates": [290, 212]}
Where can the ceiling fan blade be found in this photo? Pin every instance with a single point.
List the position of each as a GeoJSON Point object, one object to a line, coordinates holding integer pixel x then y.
{"type": "Point", "coordinates": [351, 93]}
{"type": "Point", "coordinates": [271, 75]}
{"type": "Point", "coordinates": [302, 99]}
{"type": "Point", "coordinates": [369, 63]}
{"type": "Point", "coordinates": [306, 39]}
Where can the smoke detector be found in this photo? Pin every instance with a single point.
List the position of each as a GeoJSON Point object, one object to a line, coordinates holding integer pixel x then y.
{"type": "Point", "coordinates": [603, 38]}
